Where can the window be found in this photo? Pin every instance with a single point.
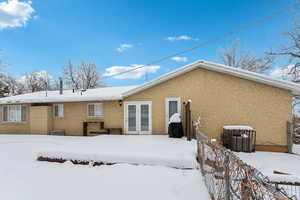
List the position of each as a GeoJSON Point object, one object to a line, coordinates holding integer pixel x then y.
{"type": "Point", "coordinates": [95, 110]}
{"type": "Point", "coordinates": [58, 110]}
{"type": "Point", "coordinates": [14, 113]}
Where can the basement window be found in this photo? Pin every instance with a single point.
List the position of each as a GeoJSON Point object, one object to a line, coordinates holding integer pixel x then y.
{"type": "Point", "coordinates": [95, 110]}
{"type": "Point", "coordinates": [14, 113]}
{"type": "Point", "coordinates": [58, 110]}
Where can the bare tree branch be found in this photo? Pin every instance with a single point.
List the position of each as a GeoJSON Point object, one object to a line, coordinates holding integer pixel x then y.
{"type": "Point", "coordinates": [37, 81]}
{"type": "Point", "coordinates": [83, 76]}
{"type": "Point", "coordinates": [291, 50]}
{"type": "Point", "coordinates": [70, 74]}
{"type": "Point", "coordinates": [235, 57]}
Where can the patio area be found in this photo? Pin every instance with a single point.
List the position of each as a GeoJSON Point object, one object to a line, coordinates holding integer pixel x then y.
{"type": "Point", "coordinates": [23, 177]}
{"type": "Point", "coordinates": [132, 149]}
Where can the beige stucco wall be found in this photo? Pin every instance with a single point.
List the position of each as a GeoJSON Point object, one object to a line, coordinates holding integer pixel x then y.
{"type": "Point", "coordinates": [224, 100]}
{"type": "Point", "coordinates": [76, 113]}
{"type": "Point", "coordinates": [12, 127]}
{"type": "Point", "coordinates": [41, 120]}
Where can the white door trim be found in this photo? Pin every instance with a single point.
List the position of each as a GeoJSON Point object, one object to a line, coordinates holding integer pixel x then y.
{"type": "Point", "coordinates": [138, 113]}
{"type": "Point", "coordinates": [167, 99]}
{"type": "Point", "coordinates": [126, 104]}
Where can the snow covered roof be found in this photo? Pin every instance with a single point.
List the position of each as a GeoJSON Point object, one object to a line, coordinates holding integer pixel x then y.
{"type": "Point", "coordinates": [268, 80]}
{"type": "Point", "coordinates": [238, 127]}
{"type": "Point", "coordinates": [97, 94]}
{"type": "Point", "coordinates": [118, 93]}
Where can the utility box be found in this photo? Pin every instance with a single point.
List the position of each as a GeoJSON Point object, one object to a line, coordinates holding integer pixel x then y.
{"type": "Point", "coordinates": [239, 138]}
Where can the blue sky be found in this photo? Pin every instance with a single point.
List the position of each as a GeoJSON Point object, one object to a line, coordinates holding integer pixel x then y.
{"type": "Point", "coordinates": [93, 30]}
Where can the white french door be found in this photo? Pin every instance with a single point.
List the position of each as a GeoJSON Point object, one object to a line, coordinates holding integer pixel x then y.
{"type": "Point", "coordinates": [138, 117]}
{"type": "Point", "coordinates": [172, 105]}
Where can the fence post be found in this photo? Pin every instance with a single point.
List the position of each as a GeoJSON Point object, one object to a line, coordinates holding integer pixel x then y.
{"type": "Point", "coordinates": [227, 176]}
{"type": "Point", "coordinates": [289, 127]}
{"type": "Point", "coordinates": [188, 120]}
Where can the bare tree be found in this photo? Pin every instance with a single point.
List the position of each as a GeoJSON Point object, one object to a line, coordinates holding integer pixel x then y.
{"type": "Point", "coordinates": [71, 75]}
{"type": "Point", "coordinates": [83, 76]}
{"type": "Point", "coordinates": [4, 87]}
{"type": "Point", "coordinates": [14, 87]}
{"type": "Point", "coordinates": [291, 50]}
{"type": "Point", "coordinates": [4, 91]}
{"type": "Point", "coordinates": [37, 81]}
{"type": "Point", "coordinates": [89, 75]}
{"type": "Point", "coordinates": [3, 64]}
{"type": "Point", "coordinates": [235, 57]}
{"type": "Point", "coordinates": [55, 85]}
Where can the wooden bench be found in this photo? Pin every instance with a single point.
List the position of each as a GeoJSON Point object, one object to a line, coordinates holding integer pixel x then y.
{"type": "Point", "coordinates": [101, 127]}
{"type": "Point", "coordinates": [110, 130]}
{"type": "Point", "coordinates": [57, 132]}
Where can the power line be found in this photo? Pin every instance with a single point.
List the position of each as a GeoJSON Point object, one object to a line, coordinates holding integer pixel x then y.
{"type": "Point", "coordinates": [218, 38]}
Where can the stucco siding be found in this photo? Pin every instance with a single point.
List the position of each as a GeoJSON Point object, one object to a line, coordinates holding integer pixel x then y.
{"type": "Point", "coordinates": [76, 113]}
{"type": "Point", "coordinates": [221, 99]}
{"type": "Point", "coordinates": [40, 119]}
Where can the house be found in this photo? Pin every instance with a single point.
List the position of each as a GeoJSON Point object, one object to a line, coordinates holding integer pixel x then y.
{"type": "Point", "coordinates": [221, 95]}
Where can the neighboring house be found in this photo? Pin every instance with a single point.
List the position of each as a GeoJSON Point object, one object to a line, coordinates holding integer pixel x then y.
{"type": "Point", "coordinates": [221, 95]}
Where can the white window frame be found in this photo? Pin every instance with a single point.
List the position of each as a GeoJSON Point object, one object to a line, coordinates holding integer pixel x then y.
{"type": "Point", "coordinates": [60, 105]}
{"type": "Point", "coordinates": [8, 113]}
{"type": "Point", "coordinates": [101, 110]}
{"type": "Point", "coordinates": [178, 99]}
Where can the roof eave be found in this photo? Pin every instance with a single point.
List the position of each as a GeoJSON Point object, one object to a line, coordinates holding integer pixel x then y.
{"type": "Point", "coordinates": [264, 79]}
{"type": "Point", "coordinates": [60, 101]}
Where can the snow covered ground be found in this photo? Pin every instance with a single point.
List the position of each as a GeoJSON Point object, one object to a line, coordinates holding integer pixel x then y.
{"type": "Point", "coordinates": [22, 177]}
{"type": "Point", "coordinates": [267, 162]}
{"type": "Point", "coordinates": [146, 149]}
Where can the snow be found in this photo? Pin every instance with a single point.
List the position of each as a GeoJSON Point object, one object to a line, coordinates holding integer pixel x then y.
{"type": "Point", "coordinates": [97, 94]}
{"type": "Point", "coordinates": [238, 127]}
{"type": "Point", "coordinates": [175, 118]}
{"type": "Point", "coordinates": [22, 177]}
{"type": "Point", "coordinates": [133, 149]}
{"type": "Point", "coordinates": [296, 148]}
{"type": "Point", "coordinates": [267, 162]}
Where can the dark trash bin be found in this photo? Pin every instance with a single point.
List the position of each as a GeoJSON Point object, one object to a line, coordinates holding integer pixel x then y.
{"type": "Point", "coordinates": [175, 130]}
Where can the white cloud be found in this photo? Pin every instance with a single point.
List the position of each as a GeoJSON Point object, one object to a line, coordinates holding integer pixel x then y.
{"type": "Point", "coordinates": [179, 59]}
{"type": "Point", "coordinates": [135, 74]}
{"type": "Point", "coordinates": [282, 72]}
{"type": "Point", "coordinates": [182, 37]}
{"type": "Point", "coordinates": [123, 47]}
{"type": "Point", "coordinates": [14, 13]}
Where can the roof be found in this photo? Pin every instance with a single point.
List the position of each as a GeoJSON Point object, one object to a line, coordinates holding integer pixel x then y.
{"type": "Point", "coordinates": [97, 94]}
{"type": "Point", "coordinates": [118, 93]}
{"type": "Point", "coordinates": [260, 78]}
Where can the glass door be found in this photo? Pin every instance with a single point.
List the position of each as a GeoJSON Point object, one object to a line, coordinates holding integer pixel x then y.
{"type": "Point", "coordinates": [145, 118]}
{"type": "Point", "coordinates": [138, 117]}
{"type": "Point", "coordinates": [132, 118]}
{"type": "Point", "coordinates": [173, 106]}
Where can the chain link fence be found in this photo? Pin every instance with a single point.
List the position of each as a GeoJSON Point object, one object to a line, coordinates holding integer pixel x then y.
{"type": "Point", "coordinates": [229, 178]}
